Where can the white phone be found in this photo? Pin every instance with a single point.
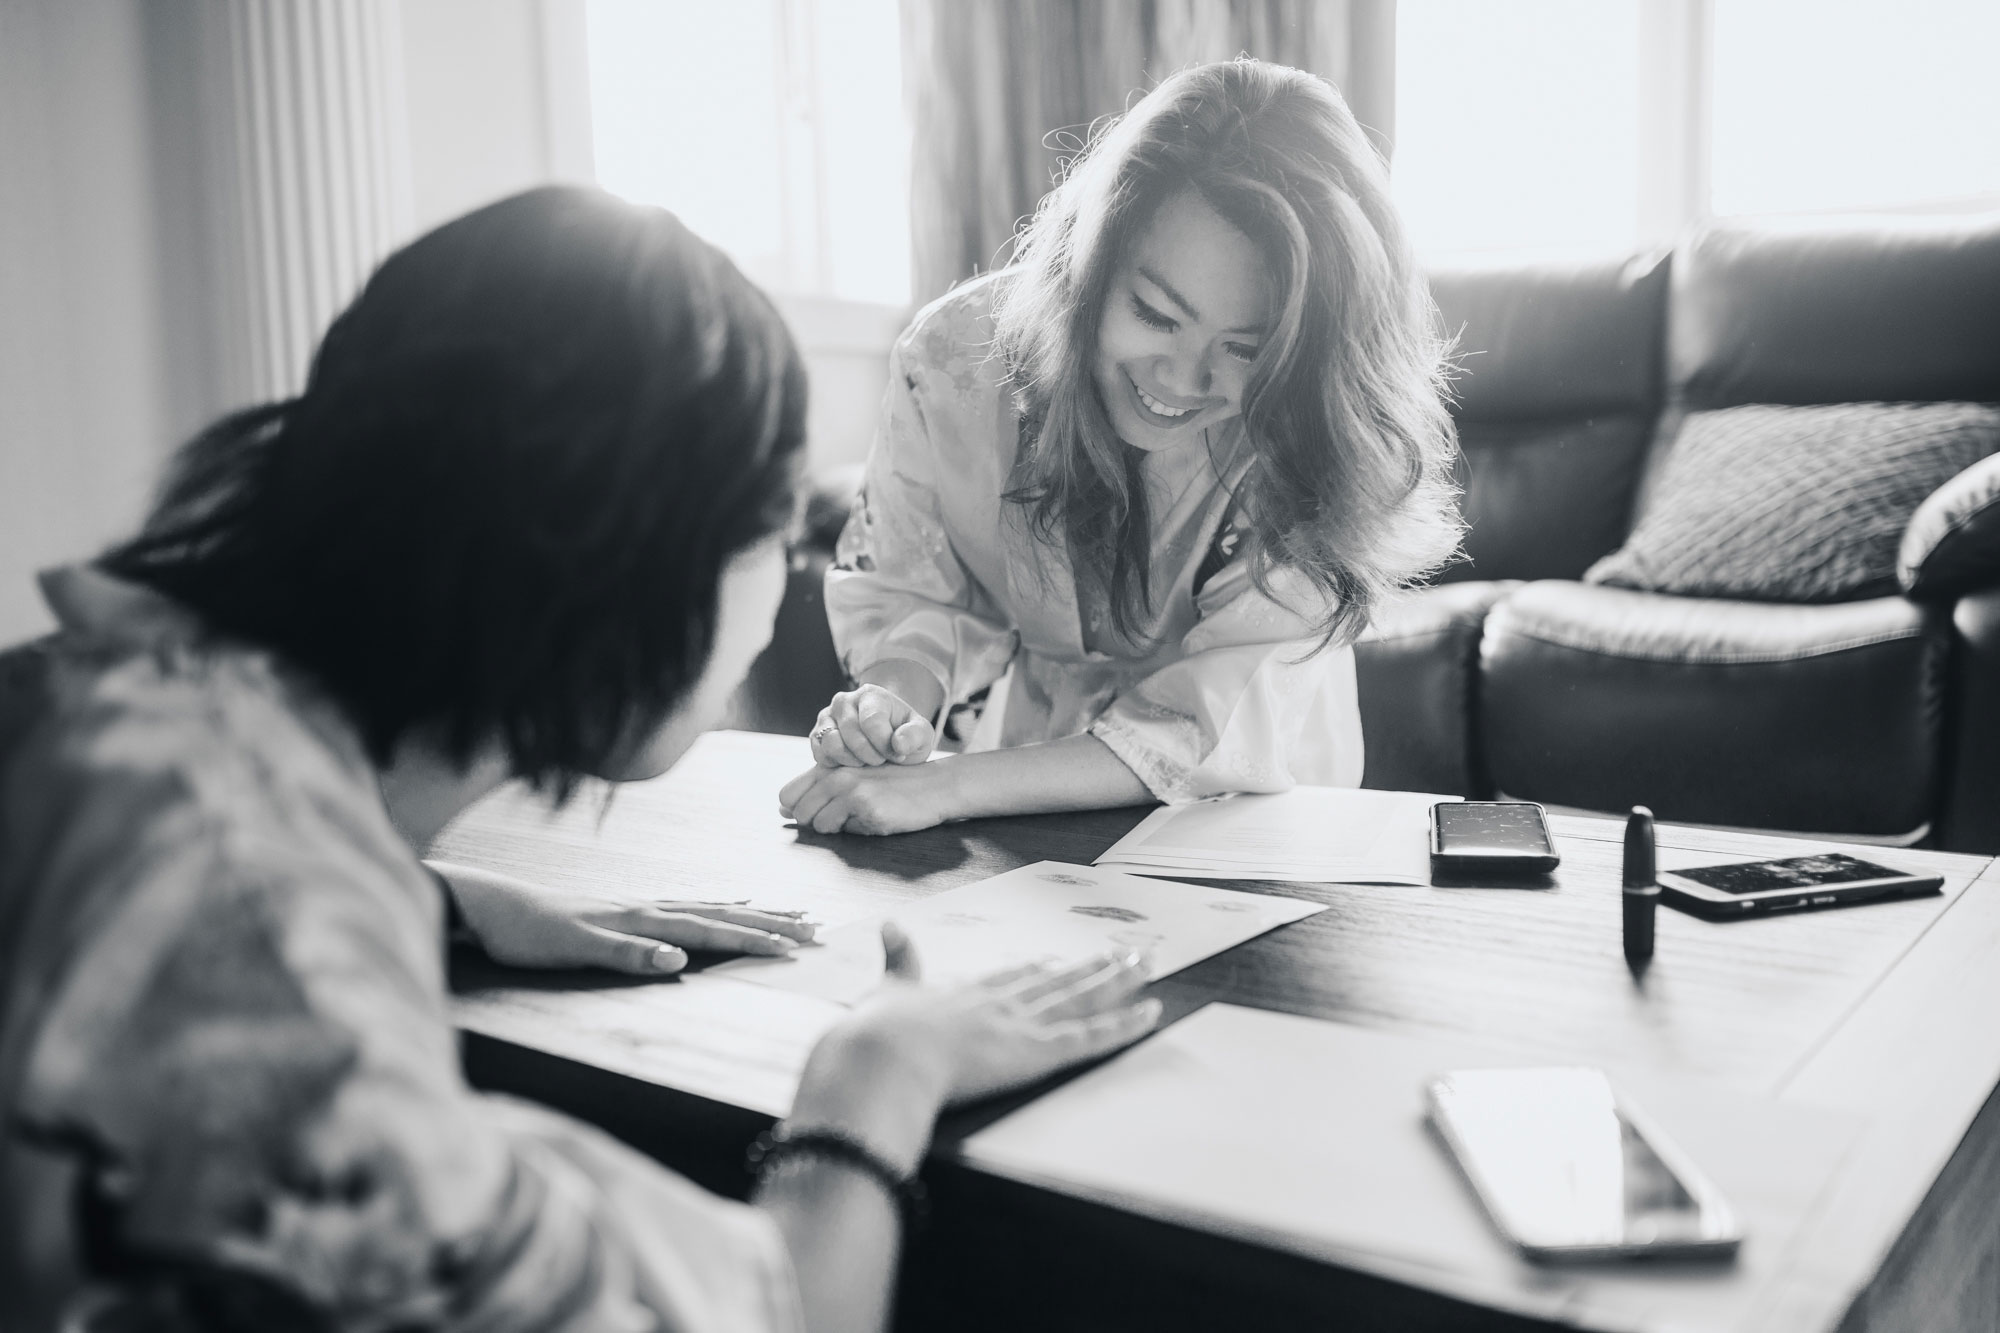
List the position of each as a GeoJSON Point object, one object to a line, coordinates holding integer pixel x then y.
{"type": "Point", "coordinates": [1569, 1170]}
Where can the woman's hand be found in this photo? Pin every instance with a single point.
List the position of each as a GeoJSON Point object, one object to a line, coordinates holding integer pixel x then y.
{"type": "Point", "coordinates": [526, 926]}
{"type": "Point", "coordinates": [891, 798]}
{"type": "Point", "coordinates": [909, 1050]}
{"type": "Point", "coordinates": [870, 726]}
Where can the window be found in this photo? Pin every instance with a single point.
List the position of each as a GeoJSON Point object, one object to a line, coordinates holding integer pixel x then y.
{"type": "Point", "coordinates": [1609, 124]}
{"type": "Point", "coordinates": [774, 128]}
{"type": "Point", "coordinates": [1517, 123]}
{"type": "Point", "coordinates": [1855, 104]}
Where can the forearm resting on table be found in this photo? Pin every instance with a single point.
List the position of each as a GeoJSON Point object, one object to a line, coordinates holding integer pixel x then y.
{"type": "Point", "coordinates": [912, 682]}
{"type": "Point", "coordinates": [1074, 773]}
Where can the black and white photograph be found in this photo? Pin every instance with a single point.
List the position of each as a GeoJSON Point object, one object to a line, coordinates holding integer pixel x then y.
{"type": "Point", "coordinates": [999, 666]}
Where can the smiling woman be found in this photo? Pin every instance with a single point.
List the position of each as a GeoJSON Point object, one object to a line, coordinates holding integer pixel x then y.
{"type": "Point", "coordinates": [1145, 485]}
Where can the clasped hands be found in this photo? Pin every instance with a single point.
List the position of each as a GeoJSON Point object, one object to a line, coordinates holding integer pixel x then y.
{"type": "Point", "coordinates": [871, 772]}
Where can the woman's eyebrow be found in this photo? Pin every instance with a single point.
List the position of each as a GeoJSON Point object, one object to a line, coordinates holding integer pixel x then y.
{"type": "Point", "coordinates": [1187, 307]}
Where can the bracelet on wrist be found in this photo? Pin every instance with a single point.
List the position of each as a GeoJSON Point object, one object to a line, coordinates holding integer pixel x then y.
{"type": "Point", "coordinates": [780, 1144]}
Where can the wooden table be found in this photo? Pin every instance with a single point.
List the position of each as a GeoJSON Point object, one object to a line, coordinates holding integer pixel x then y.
{"type": "Point", "coordinates": [1888, 1013]}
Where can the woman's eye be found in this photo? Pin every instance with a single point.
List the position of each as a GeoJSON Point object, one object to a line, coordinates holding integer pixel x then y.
{"type": "Point", "coordinates": [1152, 318]}
{"type": "Point", "coordinates": [1241, 351]}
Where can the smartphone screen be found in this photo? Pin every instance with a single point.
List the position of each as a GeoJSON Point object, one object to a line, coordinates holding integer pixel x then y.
{"type": "Point", "coordinates": [1798, 872]}
{"type": "Point", "coordinates": [1567, 1171]}
{"type": "Point", "coordinates": [1491, 828]}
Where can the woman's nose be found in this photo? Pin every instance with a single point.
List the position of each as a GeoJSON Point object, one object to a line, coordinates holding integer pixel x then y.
{"type": "Point", "coordinates": [1188, 376]}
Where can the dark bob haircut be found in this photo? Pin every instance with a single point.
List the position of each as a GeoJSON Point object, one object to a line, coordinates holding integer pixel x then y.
{"type": "Point", "coordinates": [502, 506]}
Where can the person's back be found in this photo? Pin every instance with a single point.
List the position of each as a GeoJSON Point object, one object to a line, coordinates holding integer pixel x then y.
{"type": "Point", "coordinates": [223, 991]}
{"type": "Point", "coordinates": [525, 523]}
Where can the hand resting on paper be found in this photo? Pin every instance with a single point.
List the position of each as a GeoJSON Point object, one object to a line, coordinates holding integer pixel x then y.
{"type": "Point", "coordinates": [911, 1049]}
{"type": "Point", "coordinates": [528, 926]}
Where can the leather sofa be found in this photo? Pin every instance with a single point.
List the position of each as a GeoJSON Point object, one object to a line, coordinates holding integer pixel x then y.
{"type": "Point", "coordinates": [1877, 718]}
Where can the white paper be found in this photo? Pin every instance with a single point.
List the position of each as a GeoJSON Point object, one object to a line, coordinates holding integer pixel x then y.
{"type": "Point", "coordinates": [1309, 1136]}
{"type": "Point", "coordinates": [1333, 835]}
{"type": "Point", "coordinates": [1049, 910]}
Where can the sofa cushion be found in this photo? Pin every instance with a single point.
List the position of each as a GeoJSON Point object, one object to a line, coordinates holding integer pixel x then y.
{"type": "Point", "coordinates": [1418, 667]}
{"type": "Point", "coordinates": [1795, 504]}
{"type": "Point", "coordinates": [1820, 719]}
{"type": "Point", "coordinates": [1821, 311]}
{"type": "Point", "coordinates": [1558, 382]}
{"type": "Point", "coordinates": [1586, 470]}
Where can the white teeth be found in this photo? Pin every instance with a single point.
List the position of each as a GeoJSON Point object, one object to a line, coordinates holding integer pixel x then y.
{"type": "Point", "coordinates": [1159, 408]}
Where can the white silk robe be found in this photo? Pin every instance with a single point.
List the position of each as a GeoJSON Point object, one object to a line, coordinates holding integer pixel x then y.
{"type": "Point", "coordinates": [1234, 692]}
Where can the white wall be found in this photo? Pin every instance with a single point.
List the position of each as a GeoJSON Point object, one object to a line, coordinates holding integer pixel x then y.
{"type": "Point", "coordinates": [84, 413]}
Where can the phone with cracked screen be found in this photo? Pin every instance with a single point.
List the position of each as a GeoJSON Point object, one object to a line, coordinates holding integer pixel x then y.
{"type": "Point", "coordinates": [1797, 883]}
{"type": "Point", "coordinates": [1498, 838]}
{"type": "Point", "coordinates": [1567, 1169]}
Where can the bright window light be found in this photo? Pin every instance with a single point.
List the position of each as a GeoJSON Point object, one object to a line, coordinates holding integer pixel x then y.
{"type": "Point", "coordinates": [774, 128]}
{"type": "Point", "coordinates": [1855, 104]}
{"type": "Point", "coordinates": [1517, 125]}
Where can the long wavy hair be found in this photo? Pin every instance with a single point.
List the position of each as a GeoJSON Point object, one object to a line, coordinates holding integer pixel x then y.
{"type": "Point", "coordinates": [1351, 446]}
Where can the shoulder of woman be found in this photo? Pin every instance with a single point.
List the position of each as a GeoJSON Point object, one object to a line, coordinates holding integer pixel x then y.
{"type": "Point", "coordinates": [953, 337]}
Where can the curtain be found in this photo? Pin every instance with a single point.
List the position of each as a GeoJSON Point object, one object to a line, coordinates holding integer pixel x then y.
{"type": "Point", "coordinates": [1002, 91]}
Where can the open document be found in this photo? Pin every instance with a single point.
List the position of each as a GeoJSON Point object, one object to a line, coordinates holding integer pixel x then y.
{"type": "Point", "coordinates": [1048, 910]}
{"type": "Point", "coordinates": [1330, 835]}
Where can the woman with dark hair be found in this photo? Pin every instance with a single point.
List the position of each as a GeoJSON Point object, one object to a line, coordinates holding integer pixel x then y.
{"type": "Point", "coordinates": [526, 521]}
{"type": "Point", "coordinates": [1148, 483]}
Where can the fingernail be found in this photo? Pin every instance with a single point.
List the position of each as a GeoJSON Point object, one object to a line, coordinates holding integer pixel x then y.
{"type": "Point", "coordinates": [669, 959]}
{"type": "Point", "coordinates": [1150, 1009]}
{"type": "Point", "coordinates": [784, 945]}
{"type": "Point", "coordinates": [1134, 958]}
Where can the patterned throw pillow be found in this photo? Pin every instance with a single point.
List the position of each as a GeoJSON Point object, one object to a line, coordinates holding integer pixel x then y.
{"type": "Point", "coordinates": [1795, 504]}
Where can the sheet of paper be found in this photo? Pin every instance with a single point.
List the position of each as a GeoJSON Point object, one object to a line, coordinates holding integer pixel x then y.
{"type": "Point", "coordinates": [1324, 834]}
{"type": "Point", "coordinates": [1309, 1136]}
{"type": "Point", "coordinates": [1048, 910]}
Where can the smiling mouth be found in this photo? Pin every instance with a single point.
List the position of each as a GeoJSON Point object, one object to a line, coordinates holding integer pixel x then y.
{"type": "Point", "coordinates": [1165, 414]}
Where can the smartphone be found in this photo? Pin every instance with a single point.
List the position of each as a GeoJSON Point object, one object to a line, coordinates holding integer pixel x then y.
{"type": "Point", "coordinates": [1491, 838]}
{"type": "Point", "coordinates": [1568, 1170]}
{"type": "Point", "coordinates": [1749, 888]}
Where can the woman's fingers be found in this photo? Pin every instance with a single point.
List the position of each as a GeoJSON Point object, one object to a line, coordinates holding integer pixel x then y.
{"type": "Point", "coordinates": [1077, 1039]}
{"type": "Point", "coordinates": [794, 792]}
{"type": "Point", "coordinates": [635, 954]}
{"type": "Point", "coordinates": [830, 750]}
{"type": "Point", "coordinates": [912, 742]}
{"type": "Point", "coordinates": [876, 713]}
{"type": "Point", "coordinates": [690, 931]}
{"type": "Point", "coordinates": [847, 719]}
{"type": "Point", "coordinates": [1110, 986]}
{"type": "Point", "coordinates": [1030, 990]}
{"type": "Point", "coordinates": [789, 924]}
{"type": "Point", "coordinates": [829, 817]}
{"type": "Point", "coordinates": [806, 795]}
{"type": "Point", "coordinates": [1007, 976]}
{"type": "Point", "coordinates": [899, 954]}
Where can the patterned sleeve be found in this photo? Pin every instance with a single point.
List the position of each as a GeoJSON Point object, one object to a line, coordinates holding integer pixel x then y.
{"type": "Point", "coordinates": [1254, 698]}
{"type": "Point", "coordinates": [897, 588]}
{"type": "Point", "coordinates": [236, 1028]}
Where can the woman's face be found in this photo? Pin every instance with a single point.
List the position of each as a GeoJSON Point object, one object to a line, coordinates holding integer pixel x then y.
{"type": "Point", "coordinates": [1185, 315]}
{"type": "Point", "coordinates": [753, 583]}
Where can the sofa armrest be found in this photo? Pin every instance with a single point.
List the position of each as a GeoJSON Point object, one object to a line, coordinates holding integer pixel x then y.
{"type": "Point", "coordinates": [1971, 815]}
{"type": "Point", "coordinates": [1952, 544]}
{"type": "Point", "coordinates": [1418, 666]}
